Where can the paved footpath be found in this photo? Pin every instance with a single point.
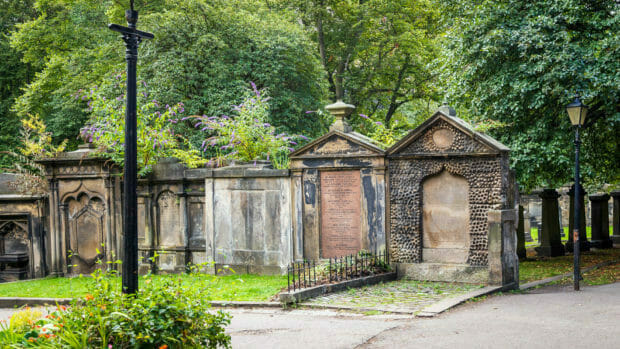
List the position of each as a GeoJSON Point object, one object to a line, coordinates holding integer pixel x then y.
{"type": "Point", "coordinates": [550, 317]}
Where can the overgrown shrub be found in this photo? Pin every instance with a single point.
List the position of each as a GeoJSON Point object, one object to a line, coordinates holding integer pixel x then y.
{"type": "Point", "coordinates": [245, 135]}
{"type": "Point", "coordinates": [156, 138]}
{"type": "Point", "coordinates": [36, 143]}
{"type": "Point", "coordinates": [166, 315]}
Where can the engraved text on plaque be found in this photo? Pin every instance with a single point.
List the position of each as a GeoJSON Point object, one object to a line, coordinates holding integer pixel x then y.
{"type": "Point", "coordinates": [341, 213]}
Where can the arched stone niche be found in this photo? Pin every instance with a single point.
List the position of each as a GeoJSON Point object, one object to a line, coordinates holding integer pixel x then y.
{"type": "Point", "coordinates": [445, 219]}
{"type": "Point", "coordinates": [85, 232]}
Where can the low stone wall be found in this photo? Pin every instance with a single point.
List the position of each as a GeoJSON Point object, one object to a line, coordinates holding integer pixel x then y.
{"type": "Point", "coordinates": [237, 216]}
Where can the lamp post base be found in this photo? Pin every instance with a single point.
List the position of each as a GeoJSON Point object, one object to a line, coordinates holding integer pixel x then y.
{"type": "Point", "coordinates": [583, 246]}
{"type": "Point", "coordinates": [550, 250]}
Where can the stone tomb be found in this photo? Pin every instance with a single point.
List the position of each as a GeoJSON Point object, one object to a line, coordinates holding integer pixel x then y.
{"type": "Point", "coordinates": [22, 232]}
{"type": "Point", "coordinates": [452, 213]}
{"type": "Point", "coordinates": [338, 193]}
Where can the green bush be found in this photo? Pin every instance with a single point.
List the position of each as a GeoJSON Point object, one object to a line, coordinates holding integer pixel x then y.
{"type": "Point", "coordinates": [246, 135]}
{"type": "Point", "coordinates": [168, 315]}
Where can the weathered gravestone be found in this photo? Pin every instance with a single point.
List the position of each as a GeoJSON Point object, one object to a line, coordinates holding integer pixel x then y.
{"type": "Point", "coordinates": [452, 213]}
{"type": "Point", "coordinates": [521, 252]}
{"type": "Point", "coordinates": [584, 245]}
{"type": "Point", "coordinates": [600, 221]}
{"type": "Point", "coordinates": [549, 235]}
{"type": "Point", "coordinates": [616, 216]}
{"type": "Point", "coordinates": [85, 211]}
{"type": "Point", "coordinates": [338, 189]}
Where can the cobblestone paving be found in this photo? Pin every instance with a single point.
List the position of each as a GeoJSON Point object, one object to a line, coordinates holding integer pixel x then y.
{"type": "Point", "coordinates": [402, 295]}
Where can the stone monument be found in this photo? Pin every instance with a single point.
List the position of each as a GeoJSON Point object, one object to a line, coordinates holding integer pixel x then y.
{"type": "Point", "coordinates": [616, 216]}
{"type": "Point", "coordinates": [600, 221]}
{"type": "Point", "coordinates": [338, 189]}
{"type": "Point", "coordinates": [549, 236]}
{"type": "Point", "coordinates": [452, 213]}
{"type": "Point", "coordinates": [584, 245]}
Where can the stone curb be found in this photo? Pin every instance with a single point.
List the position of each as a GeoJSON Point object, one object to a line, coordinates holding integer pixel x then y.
{"type": "Point", "coordinates": [310, 292]}
{"type": "Point", "coordinates": [15, 302]}
{"type": "Point", "coordinates": [242, 304]}
{"type": "Point", "coordinates": [356, 309]}
{"type": "Point", "coordinates": [445, 304]}
{"type": "Point", "coordinates": [549, 280]}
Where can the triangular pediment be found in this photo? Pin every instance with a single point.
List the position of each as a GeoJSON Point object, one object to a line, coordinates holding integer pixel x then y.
{"type": "Point", "coordinates": [446, 134]}
{"type": "Point", "coordinates": [338, 144]}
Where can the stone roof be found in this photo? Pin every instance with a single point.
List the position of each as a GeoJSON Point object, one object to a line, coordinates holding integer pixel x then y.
{"type": "Point", "coordinates": [342, 143]}
{"type": "Point", "coordinates": [443, 115]}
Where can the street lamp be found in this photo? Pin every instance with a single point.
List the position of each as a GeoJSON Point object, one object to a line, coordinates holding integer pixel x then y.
{"type": "Point", "coordinates": [577, 112]}
{"type": "Point", "coordinates": [132, 38]}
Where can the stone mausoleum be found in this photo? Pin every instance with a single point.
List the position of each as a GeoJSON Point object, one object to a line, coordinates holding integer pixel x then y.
{"type": "Point", "coordinates": [338, 192]}
{"type": "Point", "coordinates": [452, 204]}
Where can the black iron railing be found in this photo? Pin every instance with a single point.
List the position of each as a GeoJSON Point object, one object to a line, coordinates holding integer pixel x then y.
{"type": "Point", "coordinates": [310, 273]}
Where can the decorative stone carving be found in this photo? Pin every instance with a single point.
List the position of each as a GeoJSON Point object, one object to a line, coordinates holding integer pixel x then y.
{"type": "Point", "coordinates": [443, 138]}
{"type": "Point", "coordinates": [13, 239]}
{"type": "Point", "coordinates": [86, 232]}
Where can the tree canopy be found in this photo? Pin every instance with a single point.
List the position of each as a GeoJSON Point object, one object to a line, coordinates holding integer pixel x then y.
{"type": "Point", "coordinates": [13, 73]}
{"type": "Point", "coordinates": [376, 53]}
{"type": "Point", "coordinates": [510, 67]}
{"type": "Point", "coordinates": [517, 64]}
{"type": "Point", "coordinates": [204, 55]}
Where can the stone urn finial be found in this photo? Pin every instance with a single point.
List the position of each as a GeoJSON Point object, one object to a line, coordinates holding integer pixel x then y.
{"type": "Point", "coordinates": [340, 111]}
{"type": "Point", "coordinates": [447, 109]}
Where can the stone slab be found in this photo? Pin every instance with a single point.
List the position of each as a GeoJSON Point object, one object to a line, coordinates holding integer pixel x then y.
{"type": "Point", "coordinates": [443, 272]}
{"type": "Point", "coordinates": [445, 255]}
{"type": "Point", "coordinates": [445, 304]}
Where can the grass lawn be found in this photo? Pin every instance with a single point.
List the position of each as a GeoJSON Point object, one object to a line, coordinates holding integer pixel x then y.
{"type": "Point", "coordinates": [534, 234]}
{"type": "Point", "coordinates": [536, 268]}
{"type": "Point", "coordinates": [242, 287]}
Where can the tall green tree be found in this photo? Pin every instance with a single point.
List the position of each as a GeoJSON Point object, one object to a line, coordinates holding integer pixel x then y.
{"type": "Point", "coordinates": [376, 53]}
{"type": "Point", "coordinates": [517, 64]}
{"type": "Point", "coordinates": [14, 74]}
{"type": "Point", "coordinates": [204, 54]}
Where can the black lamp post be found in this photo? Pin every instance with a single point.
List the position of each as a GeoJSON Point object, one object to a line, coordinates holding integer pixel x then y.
{"type": "Point", "coordinates": [577, 112]}
{"type": "Point", "coordinates": [132, 38]}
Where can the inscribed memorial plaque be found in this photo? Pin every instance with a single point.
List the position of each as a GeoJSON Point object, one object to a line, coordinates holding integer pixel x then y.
{"type": "Point", "coordinates": [341, 211]}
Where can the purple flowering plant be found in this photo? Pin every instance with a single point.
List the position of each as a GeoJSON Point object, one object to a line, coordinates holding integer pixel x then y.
{"type": "Point", "coordinates": [156, 138]}
{"type": "Point", "coordinates": [245, 135]}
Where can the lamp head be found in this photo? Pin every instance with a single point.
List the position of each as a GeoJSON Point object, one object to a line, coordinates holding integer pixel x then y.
{"type": "Point", "coordinates": [577, 112]}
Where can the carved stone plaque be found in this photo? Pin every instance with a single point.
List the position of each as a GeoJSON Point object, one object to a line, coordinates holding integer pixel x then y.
{"type": "Point", "coordinates": [443, 138]}
{"type": "Point", "coordinates": [341, 213]}
{"type": "Point", "coordinates": [445, 219]}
